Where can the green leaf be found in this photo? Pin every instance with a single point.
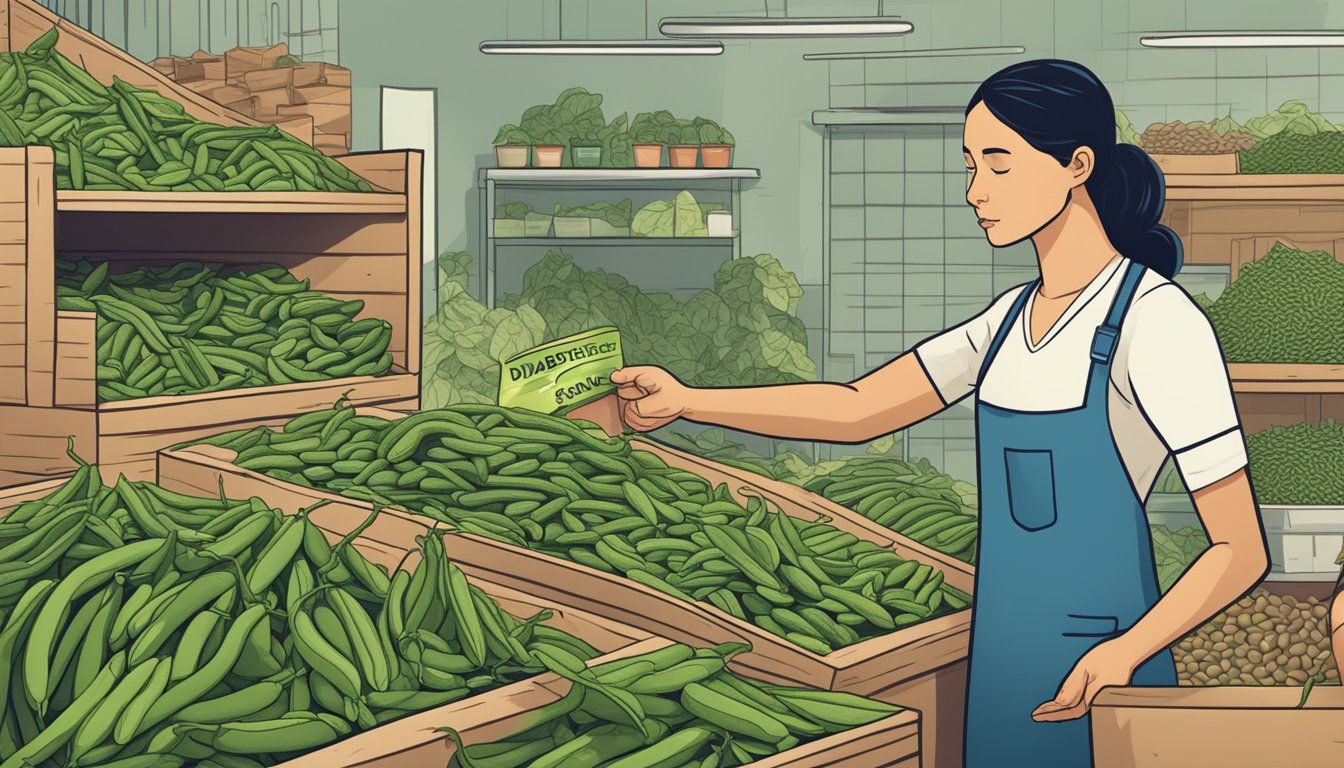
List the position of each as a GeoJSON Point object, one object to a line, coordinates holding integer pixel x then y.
{"type": "Point", "coordinates": [654, 220]}
{"type": "Point", "coordinates": [689, 221]}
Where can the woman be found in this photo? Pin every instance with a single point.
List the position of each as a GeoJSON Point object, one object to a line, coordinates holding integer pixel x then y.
{"type": "Point", "coordinates": [1086, 380]}
{"type": "Point", "coordinates": [1337, 619]}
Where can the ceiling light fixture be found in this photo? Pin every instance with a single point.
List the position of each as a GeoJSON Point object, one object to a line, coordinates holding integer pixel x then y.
{"type": "Point", "coordinates": [600, 48]}
{"type": "Point", "coordinates": [759, 26]}
{"type": "Point", "coordinates": [930, 52]}
{"type": "Point", "coordinates": [1255, 39]}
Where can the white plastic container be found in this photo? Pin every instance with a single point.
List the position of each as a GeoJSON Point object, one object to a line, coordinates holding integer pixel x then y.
{"type": "Point", "coordinates": [719, 223]}
{"type": "Point", "coordinates": [1303, 539]}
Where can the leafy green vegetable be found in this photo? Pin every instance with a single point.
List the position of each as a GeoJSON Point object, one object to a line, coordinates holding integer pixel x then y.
{"type": "Point", "coordinates": [689, 220]}
{"type": "Point", "coordinates": [1290, 152]}
{"type": "Point", "coordinates": [735, 334]}
{"type": "Point", "coordinates": [650, 127]}
{"type": "Point", "coordinates": [711, 132]}
{"type": "Point", "coordinates": [512, 134]}
{"type": "Point", "coordinates": [616, 214]}
{"type": "Point", "coordinates": [575, 115]}
{"type": "Point", "coordinates": [512, 211]}
{"type": "Point", "coordinates": [1174, 551]}
{"type": "Point", "coordinates": [654, 220]}
{"type": "Point", "coordinates": [1124, 130]}
{"type": "Point", "coordinates": [617, 148]}
{"type": "Point", "coordinates": [1291, 117]}
{"type": "Point", "coordinates": [464, 341]}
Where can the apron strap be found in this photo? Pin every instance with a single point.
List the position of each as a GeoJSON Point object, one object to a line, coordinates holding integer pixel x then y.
{"type": "Point", "coordinates": [1002, 333]}
{"type": "Point", "coordinates": [1107, 336]}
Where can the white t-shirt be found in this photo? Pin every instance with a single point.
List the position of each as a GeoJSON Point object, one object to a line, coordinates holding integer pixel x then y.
{"type": "Point", "coordinates": [1169, 391]}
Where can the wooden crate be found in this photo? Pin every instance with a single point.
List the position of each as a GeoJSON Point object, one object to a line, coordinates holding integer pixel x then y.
{"type": "Point", "coordinates": [353, 246]}
{"type": "Point", "coordinates": [612, 638]}
{"type": "Point", "coordinates": [1177, 727]}
{"type": "Point", "coordinates": [922, 667]}
{"type": "Point", "coordinates": [23, 21]}
{"type": "Point", "coordinates": [412, 742]}
{"type": "Point", "coordinates": [1200, 164]}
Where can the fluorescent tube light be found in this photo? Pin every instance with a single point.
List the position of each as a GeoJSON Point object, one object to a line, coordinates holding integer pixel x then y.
{"type": "Point", "coordinates": [760, 26]}
{"type": "Point", "coordinates": [986, 51]}
{"type": "Point", "coordinates": [1257, 39]}
{"type": "Point", "coordinates": [601, 48]}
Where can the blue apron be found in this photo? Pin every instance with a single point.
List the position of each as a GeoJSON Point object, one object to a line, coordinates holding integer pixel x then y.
{"type": "Point", "coordinates": [1065, 561]}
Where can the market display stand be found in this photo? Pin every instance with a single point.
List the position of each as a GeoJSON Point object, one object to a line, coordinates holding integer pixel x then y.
{"type": "Point", "coordinates": [362, 246]}
{"type": "Point", "coordinates": [1229, 220]}
{"type": "Point", "coordinates": [493, 181]}
{"type": "Point", "coordinates": [922, 667]}
{"type": "Point", "coordinates": [1145, 727]}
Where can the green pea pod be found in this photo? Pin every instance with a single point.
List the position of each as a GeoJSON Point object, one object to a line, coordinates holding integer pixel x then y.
{"type": "Point", "coordinates": [85, 578]}
{"type": "Point", "coordinates": [52, 738]}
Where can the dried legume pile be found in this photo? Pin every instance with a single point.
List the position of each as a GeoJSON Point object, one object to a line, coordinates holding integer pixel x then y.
{"type": "Point", "coordinates": [1181, 139]}
{"type": "Point", "coordinates": [1263, 639]}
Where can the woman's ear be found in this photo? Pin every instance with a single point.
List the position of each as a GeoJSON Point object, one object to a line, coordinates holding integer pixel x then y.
{"type": "Point", "coordinates": [1081, 165]}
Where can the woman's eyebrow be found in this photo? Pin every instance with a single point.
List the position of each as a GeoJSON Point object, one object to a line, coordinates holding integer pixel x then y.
{"type": "Point", "coordinates": [988, 151]}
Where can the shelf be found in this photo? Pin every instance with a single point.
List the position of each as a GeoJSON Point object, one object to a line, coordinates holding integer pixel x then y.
{"type": "Point", "coordinates": [1325, 578]}
{"type": "Point", "coordinates": [1286, 378]}
{"type": "Point", "coordinates": [1322, 187]}
{"type": "Point", "coordinates": [230, 202]}
{"type": "Point", "coordinates": [891, 116]}
{"type": "Point", "coordinates": [570, 175]}
{"type": "Point", "coordinates": [614, 241]}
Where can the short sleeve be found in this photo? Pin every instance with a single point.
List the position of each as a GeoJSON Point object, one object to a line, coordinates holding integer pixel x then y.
{"type": "Point", "coordinates": [952, 359]}
{"type": "Point", "coordinates": [1178, 377]}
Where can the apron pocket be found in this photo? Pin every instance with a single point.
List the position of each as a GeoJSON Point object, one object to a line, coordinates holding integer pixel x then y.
{"type": "Point", "coordinates": [1083, 625]}
{"type": "Point", "coordinates": [1031, 487]}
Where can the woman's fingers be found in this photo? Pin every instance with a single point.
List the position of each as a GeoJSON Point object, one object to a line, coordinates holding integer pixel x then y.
{"type": "Point", "coordinates": [628, 374]}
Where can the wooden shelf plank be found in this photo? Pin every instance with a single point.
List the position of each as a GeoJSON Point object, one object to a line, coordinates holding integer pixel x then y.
{"type": "Point", "coordinates": [624, 242]}
{"type": "Point", "coordinates": [569, 175]}
{"type": "Point", "coordinates": [1256, 186]}
{"type": "Point", "coordinates": [1286, 378]}
{"type": "Point", "coordinates": [231, 202]}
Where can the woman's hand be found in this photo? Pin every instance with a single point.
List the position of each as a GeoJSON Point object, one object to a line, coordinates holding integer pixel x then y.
{"type": "Point", "coordinates": [650, 396]}
{"type": "Point", "coordinates": [1110, 663]}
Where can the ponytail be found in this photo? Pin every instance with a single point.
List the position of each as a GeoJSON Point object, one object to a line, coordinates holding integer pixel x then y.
{"type": "Point", "coordinates": [1129, 198]}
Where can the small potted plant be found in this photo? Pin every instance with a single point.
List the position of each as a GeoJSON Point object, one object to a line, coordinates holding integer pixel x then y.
{"type": "Point", "coordinates": [683, 144]}
{"type": "Point", "coordinates": [716, 144]}
{"type": "Point", "coordinates": [644, 141]}
{"type": "Point", "coordinates": [550, 150]}
{"type": "Point", "coordinates": [585, 150]}
{"type": "Point", "coordinates": [511, 147]}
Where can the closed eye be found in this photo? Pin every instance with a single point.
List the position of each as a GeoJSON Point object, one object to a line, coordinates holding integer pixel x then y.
{"type": "Point", "coordinates": [1000, 173]}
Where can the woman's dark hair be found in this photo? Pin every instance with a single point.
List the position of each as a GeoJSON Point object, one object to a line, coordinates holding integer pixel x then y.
{"type": "Point", "coordinates": [1058, 106]}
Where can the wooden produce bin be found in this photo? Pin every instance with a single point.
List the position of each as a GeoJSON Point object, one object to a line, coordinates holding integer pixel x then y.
{"type": "Point", "coordinates": [922, 667]}
{"type": "Point", "coordinates": [413, 743]}
{"type": "Point", "coordinates": [1227, 726]}
{"type": "Point", "coordinates": [353, 246]}
{"type": "Point", "coordinates": [1201, 164]}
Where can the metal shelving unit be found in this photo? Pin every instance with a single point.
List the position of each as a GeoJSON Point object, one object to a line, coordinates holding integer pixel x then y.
{"type": "Point", "coordinates": [493, 181]}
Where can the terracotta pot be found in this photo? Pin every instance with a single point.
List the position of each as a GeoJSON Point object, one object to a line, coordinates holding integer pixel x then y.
{"type": "Point", "coordinates": [683, 157]}
{"type": "Point", "coordinates": [648, 155]}
{"type": "Point", "coordinates": [511, 156]}
{"type": "Point", "coordinates": [550, 156]}
{"type": "Point", "coordinates": [716, 155]}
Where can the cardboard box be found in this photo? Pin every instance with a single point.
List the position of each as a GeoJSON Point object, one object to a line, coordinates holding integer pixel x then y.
{"type": "Point", "coordinates": [269, 101]}
{"type": "Point", "coordinates": [269, 79]}
{"type": "Point", "coordinates": [186, 70]}
{"type": "Point", "coordinates": [163, 65]}
{"type": "Point", "coordinates": [239, 61]}
{"type": "Point", "coordinates": [298, 126]}
{"type": "Point", "coordinates": [1179, 727]}
{"type": "Point", "coordinates": [308, 73]}
{"type": "Point", "coordinates": [246, 106]}
{"type": "Point", "coordinates": [322, 94]}
{"type": "Point", "coordinates": [327, 118]}
{"type": "Point", "coordinates": [337, 75]}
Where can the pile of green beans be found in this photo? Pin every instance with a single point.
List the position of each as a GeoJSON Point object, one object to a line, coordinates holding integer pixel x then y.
{"type": "Point", "coordinates": [147, 628]}
{"type": "Point", "coordinates": [127, 138]}
{"type": "Point", "coordinates": [203, 328]}
{"type": "Point", "coordinates": [673, 707]}
{"type": "Point", "coordinates": [918, 505]}
{"type": "Point", "coordinates": [545, 483]}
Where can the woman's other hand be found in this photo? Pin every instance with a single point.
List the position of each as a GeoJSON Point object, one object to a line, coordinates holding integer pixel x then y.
{"type": "Point", "coordinates": [651, 397]}
{"type": "Point", "coordinates": [1110, 663]}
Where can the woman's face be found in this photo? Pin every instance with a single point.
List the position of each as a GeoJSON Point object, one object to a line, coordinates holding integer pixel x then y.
{"type": "Point", "coordinates": [1014, 189]}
